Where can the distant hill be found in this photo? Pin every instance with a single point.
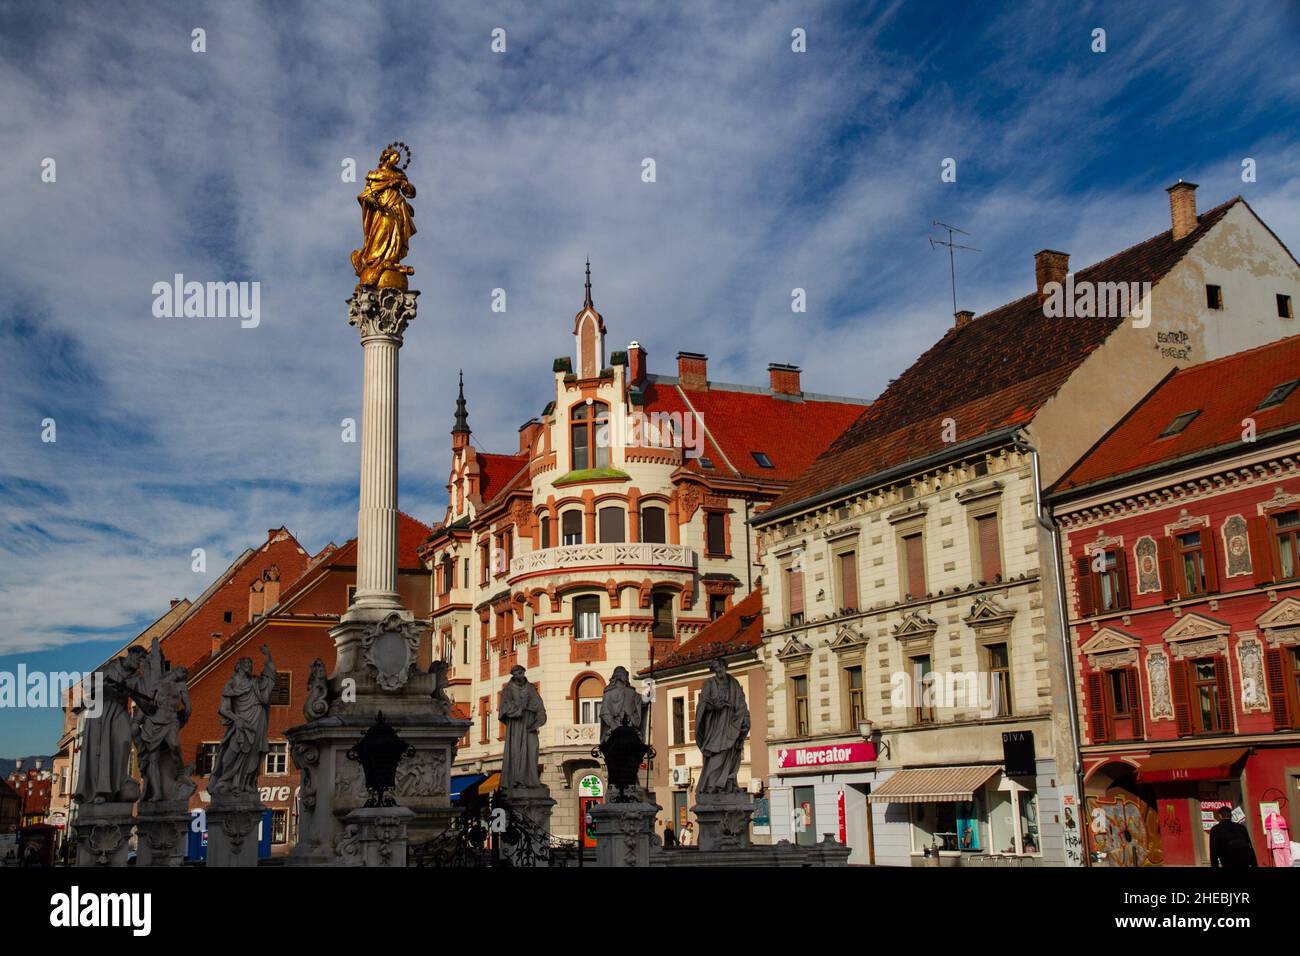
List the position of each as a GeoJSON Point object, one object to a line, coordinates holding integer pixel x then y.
{"type": "Point", "coordinates": [7, 764]}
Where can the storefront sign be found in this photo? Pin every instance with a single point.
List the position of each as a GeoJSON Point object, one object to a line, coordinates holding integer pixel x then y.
{"type": "Point", "coordinates": [590, 786]}
{"type": "Point", "coordinates": [839, 801]}
{"type": "Point", "coordinates": [1018, 755]}
{"type": "Point", "coordinates": [795, 757]}
{"type": "Point", "coordinates": [1208, 808]}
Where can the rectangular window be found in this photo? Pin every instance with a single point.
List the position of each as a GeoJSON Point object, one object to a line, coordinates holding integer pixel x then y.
{"type": "Point", "coordinates": [277, 759]}
{"type": "Point", "coordinates": [589, 710]}
{"type": "Point", "coordinates": [281, 692]}
{"type": "Point", "coordinates": [716, 533]}
{"type": "Point", "coordinates": [484, 715]}
{"type": "Point", "coordinates": [1286, 529]}
{"type": "Point", "coordinates": [652, 526]}
{"type": "Point", "coordinates": [1179, 424]}
{"type": "Point", "coordinates": [1205, 696]}
{"type": "Point", "coordinates": [848, 567]}
{"type": "Point", "coordinates": [663, 616]}
{"type": "Point", "coordinates": [1213, 297]}
{"type": "Point", "coordinates": [485, 562]}
{"type": "Point", "coordinates": [804, 816]}
{"type": "Point", "coordinates": [586, 618]}
{"type": "Point", "coordinates": [853, 682]}
{"type": "Point", "coordinates": [464, 651]}
{"type": "Point", "coordinates": [914, 566]}
{"type": "Point", "coordinates": [504, 552]}
{"type": "Point", "coordinates": [990, 551]}
{"type": "Point", "coordinates": [717, 606]}
{"type": "Point", "coordinates": [279, 826]}
{"type": "Point", "coordinates": [206, 758]}
{"type": "Point", "coordinates": [799, 691]}
{"type": "Point", "coordinates": [923, 689]}
{"type": "Point", "coordinates": [545, 531]}
{"type": "Point", "coordinates": [1108, 583]}
{"type": "Point", "coordinates": [1284, 307]}
{"type": "Point", "coordinates": [487, 642]}
{"type": "Point", "coordinates": [610, 526]}
{"type": "Point", "coordinates": [794, 594]}
{"type": "Point", "coordinates": [1123, 703]}
{"type": "Point", "coordinates": [581, 453]}
{"type": "Point", "coordinates": [465, 576]}
{"type": "Point", "coordinates": [1191, 560]}
{"type": "Point", "coordinates": [571, 526]}
{"type": "Point", "coordinates": [999, 664]}
{"type": "Point", "coordinates": [679, 721]}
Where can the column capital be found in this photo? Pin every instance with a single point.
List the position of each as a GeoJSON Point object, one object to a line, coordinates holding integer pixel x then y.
{"type": "Point", "coordinates": [381, 312]}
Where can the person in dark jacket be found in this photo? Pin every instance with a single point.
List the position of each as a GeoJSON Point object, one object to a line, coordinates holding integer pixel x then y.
{"type": "Point", "coordinates": [1230, 842]}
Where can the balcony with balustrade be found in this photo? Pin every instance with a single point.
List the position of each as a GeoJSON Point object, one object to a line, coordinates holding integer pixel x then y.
{"type": "Point", "coordinates": [585, 557]}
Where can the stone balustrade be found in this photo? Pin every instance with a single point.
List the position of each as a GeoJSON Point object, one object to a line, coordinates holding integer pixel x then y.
{"type": "Point", "coordinates": [577, 556]}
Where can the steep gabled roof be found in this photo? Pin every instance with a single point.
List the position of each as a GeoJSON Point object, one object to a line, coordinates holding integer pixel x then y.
{"type": "Point", "coordinates": [1223, 393]}
{"type": "Point", "coordinates": [740, 629]}
{"type": "Point", "coordinates": [496, 472]}
{"type": "Point", "coordinates": [994, 372]}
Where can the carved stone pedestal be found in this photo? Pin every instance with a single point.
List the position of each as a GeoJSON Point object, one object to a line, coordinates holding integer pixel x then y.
{"type": "Point", "coordinates": [233, 830]}
{"type": "Point", "coordinates": [724, 821]}
{"type": "Point", "coordinates": [624, 833]}
{"type": "Point", "coordinates": [103, 833]}
{"type": "Point", "coordinates": [162, 829]}
{"type": "Point", "coordinates": [533, 805]}
{"type": "Point", "coordinates": [374, 836]}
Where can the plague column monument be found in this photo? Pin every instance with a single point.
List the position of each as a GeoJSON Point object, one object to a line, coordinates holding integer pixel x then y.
{"type": "Point", "coordinates": [377, 640]}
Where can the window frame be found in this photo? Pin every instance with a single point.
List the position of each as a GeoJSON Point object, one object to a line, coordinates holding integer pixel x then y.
{"type": "Point", "coordinates": [282, 756]}
{"type": "Point", "coordinates": [586, 417]}
{"type": "Point", "coordinates": [579, 614]}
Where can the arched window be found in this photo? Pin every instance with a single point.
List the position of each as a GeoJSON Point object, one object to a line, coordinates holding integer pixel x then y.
{"type": "Point", "coordinates": [653, 525]}
{"type": "Point", "coordinates": [586, 618]}
{"type": "Point", "coordinates": [589, 436]}
{"type": "Point", "coordinates": [611, 526]}
{"type": "Point", "coordinates": [587, 700]}
{"type": "Point", "coordinates": [571, 526]}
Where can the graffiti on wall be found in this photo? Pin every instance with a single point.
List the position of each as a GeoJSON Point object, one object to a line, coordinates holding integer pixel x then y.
{"type": "Point", "coordinates": [1124, 831]}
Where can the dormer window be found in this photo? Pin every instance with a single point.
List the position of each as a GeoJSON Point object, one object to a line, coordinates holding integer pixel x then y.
{"type": "Point", "coordinates": [1179, 424]}
{"type": "Point", "coordinates": [706, 462]}
{"type": "Point", "coordinates": [762, 459]}
{"type": "Point", "coordinates": [1278, 394]}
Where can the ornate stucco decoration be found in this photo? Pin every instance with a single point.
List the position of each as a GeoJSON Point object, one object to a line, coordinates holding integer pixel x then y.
{"type": "Point", "coordinates": [1187, 522]}
{"type": "Point", "coordinates": [989, 619]}
{"type": "Point", "coordinates": [1162, 697]}
{"type": "Point", "coordinates": [844, 531]}
{"type": "Point", "coordinates": [1254, 683]}
{"type": "Point", "coordinates": [848, 638]}
{"type": "Point", "coordinates": [983, 492]}
{"type": "Point", "coordinates": [1281, 623]}
{"type": "Point", "coordinates": [1110, 648]}
{"type": "Point", "coordinates": [1103, 542]}
{"type": "Point", "coordinates": [1236, 545]}
{"type": "Point", "coordinates": [382, 312]}
{"type": "Point", "coordinates": [1147, 564]}
{"type": "Point", "coordinates": [390, 650]}
{"type": "Point", "coordinates": [915, 630]}
{"type": "Point", "coordinates": [794, 650]}
{"type": "Point", "coordinates": [916, 510]}
{"type": "Point", "coordinates": [1280, 499]}
{"type": "Point", "coordinates": [1195, 635]}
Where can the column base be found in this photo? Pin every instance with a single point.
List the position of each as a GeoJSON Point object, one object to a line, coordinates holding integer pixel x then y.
{"type": "Point", "coordinates": [232, 830]}
{"type": "Point", "coordinates": [162, 828]}
{"type": "Point", "coordinates": [624, 833]}
{"type": "Point", "coordinates": [103, 833]}
{"type": "Point", "coordinates": [374, 836]}
{"type": "Point", "coordinates": [723, 820]}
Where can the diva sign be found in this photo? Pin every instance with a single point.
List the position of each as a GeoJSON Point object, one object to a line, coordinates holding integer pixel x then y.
{"type": "Point", "coordinates": [793, 758]}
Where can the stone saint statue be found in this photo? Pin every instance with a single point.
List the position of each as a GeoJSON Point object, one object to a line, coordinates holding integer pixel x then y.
{"type": "Point", "coordinates": [245, 708]}
{"type": "Point", "coordinates": [621, 704]}
{"type": "Point", "coordinates": [157, 731]}
{"type": "Point", "coordinates": [721, 726]}
{"type": "Point", "coordinates": [103, 773]}
{"type": "Point", "coordinates": [387, 222]}
{"type": "Point", "coordinates": [522, 712]}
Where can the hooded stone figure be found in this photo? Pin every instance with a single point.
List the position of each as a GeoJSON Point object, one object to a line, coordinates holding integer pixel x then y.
{"type": "Point", "coordinates": [721, 726]}
{"type": "Point", "coordinates": [621, 704]}
{"type": "Point", "coordinates": [521, 710]}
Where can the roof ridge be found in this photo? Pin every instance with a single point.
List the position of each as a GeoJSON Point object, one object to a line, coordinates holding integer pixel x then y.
{"type": "Point", "coordinates": [1211, 363]}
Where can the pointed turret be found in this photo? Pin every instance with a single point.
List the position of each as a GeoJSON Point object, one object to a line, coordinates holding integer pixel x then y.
{"type": "Point", "coordinates": [460, 431]}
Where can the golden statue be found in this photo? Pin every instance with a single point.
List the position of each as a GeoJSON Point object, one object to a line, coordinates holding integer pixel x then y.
{"type": "Point", "coordinates": [387, 221]}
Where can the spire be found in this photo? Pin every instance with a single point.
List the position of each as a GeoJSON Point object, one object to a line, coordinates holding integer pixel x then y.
{"type": "Point", "coordinates": [587, 302]}
{"type": "Point", "coordinates": [462, 416]}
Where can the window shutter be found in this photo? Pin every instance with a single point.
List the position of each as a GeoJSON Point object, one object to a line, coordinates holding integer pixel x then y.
{"type": "Point", "coordinates": [1165, 553]}
{"type": "Point", "coordinates": [1275, 669]}
{"type": "Point", "coordinates": [1083, 575]}
{"type": "Point", "coordinates": [1098, 722]}
{"type": "Point", "coordinates": [990, 554]}
{"type": "Point", "coordinates": [915, 566]}
{"type": "Point", "coordinates": [1224, 686]}
{"type": "Point", "coordinates": [796, 592]}
{"type": "Point", "coordinates": [1135, 700]}
{"type": "Point", "coordinates": [1182, 679]}
{"type": "Point", "coordinates": [849, 579]}
{"type": "Point", "coordinates": [690, 715]}
{"type": "Point", "coordinates": [1121, 571]}
{"type": "Point", "coordinates": [1261, 549]}
{"type": "Point", "coordinates": [1211, 553]}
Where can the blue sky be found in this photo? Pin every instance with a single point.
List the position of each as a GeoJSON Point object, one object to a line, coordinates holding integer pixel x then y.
{"type": "Point", "coordinates": [775, 170]}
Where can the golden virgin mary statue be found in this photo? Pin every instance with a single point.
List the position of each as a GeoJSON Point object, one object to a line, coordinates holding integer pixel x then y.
{"type": "Point", "coordinates": [387, 222]}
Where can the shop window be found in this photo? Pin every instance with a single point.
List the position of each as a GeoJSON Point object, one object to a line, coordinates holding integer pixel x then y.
{"type": "Point", "coordinates": [679, 721]}
{"type": "Point", "coordinates": [803, 816]}
{"type": "Point", "coordinates": [587, 709]}
{"type": "Point", "coordinates": [610, 525]}
{"type": "Point", "coordinates": [913, 566]}
{"type": "Point", "coordinates": [662, 602]}
{"type": "Point", "coordinates": [853, 688]}
{"type": "Point", "coordinates": [934, 825]}
{"type": "Point", "coordinates": [571, 526]}
{"type": "Point", "coordinates": [277, 759]}
{"type": "Point", "coordinates": [716, 533]}
{"type": "Point", "coordinates": [653, 525]}
{"type": "Point", "coordinates": [998, 660]}
{"type": "Point", "coordinates": [586, 618]}
{"type": "Point", "coordinates": [848, 574]}
{"type": "Point", "coordinates": [1013, 821]}
{"type": "Point", "coordinates": [989, 547]}
{"type": "Point", "coordinates": [799, 696]}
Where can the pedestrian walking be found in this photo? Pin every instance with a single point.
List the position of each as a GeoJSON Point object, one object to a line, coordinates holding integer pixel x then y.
{"type": "Point", "coordinates": [1230, 842]}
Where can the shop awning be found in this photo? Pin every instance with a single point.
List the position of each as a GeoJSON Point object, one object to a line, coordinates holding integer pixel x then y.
{"type": "Point", "coordinates": [462, 782]}
{"type": "Point", "coordinates": [491, 784]}
{"type": "Point", "coordinates": [1189, 765]}
{"type": "Point", "coordinates": [933, 785]}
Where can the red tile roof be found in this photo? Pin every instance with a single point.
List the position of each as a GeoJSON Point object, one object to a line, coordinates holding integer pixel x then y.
{"type": "Point", "coordinates": [411, 533]}
{"type": "Point", "coordinates": [496, 471]}
{"type": "Point", "coordinates": [740, 629]}
{"type": "Point", "coordinates": [1134, 444]}
{"type": "Point", "coordinates": [992, 373]}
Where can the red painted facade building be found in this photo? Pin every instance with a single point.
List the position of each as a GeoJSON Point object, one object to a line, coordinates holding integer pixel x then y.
{"type": "Point", "coordinates": [1181, 538]}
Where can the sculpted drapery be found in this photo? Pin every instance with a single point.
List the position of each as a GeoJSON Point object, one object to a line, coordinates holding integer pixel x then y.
{"type": "Point", "coordinates": [721, 726]}
{"type": "Point", "coordinates": [387, 224]}
{"type": "Point", "coordinates": [245, 709]}
{"type": "Point", "coordinates": [521, 710]}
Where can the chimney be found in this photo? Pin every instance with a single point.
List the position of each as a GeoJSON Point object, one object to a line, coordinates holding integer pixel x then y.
{"type": "Point", "coordinates": [256, 599]}
{"type": "Point", "coordinates": [635, 365]}
{"type": "Point", "coordinates": [785, 379]}
{"type": "Point", "coordinates": [175, 601]}
{"type": "Point", "coordinates": [216, 641]}
{"type": "Point", "coordinates": [962, 318]}
{"type": "Point", "coordinates": [692, 370]}
{"type": "Point", "coordinates": [528, 433]}
{"type": "Point", "coordinates": [1182, 208]}
{"type": "Point", "coordinates": [272, 576]}
{"type": "Point", "coordinates": [1050, 266]}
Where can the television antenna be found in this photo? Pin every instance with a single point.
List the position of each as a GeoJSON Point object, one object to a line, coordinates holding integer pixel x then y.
{"type": "Point", "coordinates": [951, 246]}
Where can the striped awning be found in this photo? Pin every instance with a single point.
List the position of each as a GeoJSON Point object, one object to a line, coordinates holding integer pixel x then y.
{"type": "Point", "coordinates": [933, 785]}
